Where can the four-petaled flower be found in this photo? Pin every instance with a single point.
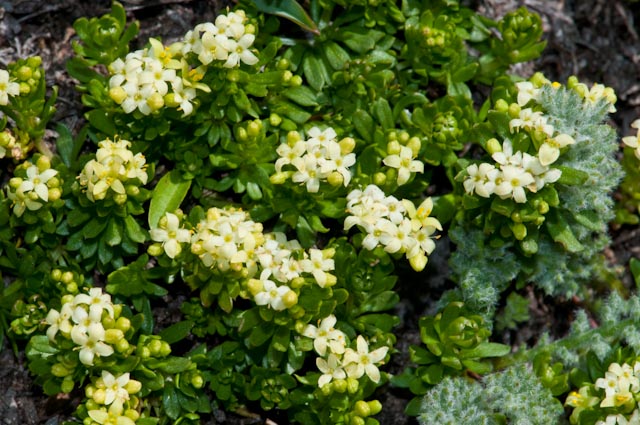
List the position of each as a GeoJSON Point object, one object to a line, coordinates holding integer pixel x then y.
{"type": "Point", "coordinates": [171, 235]}
{"type": "Point", "coordinates": [360, 361]}
{"type": "Point", "coordinates": [405, 163]}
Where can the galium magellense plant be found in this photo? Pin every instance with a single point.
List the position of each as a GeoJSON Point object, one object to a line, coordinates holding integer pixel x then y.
{"type": "Point", "coordinates": [286, 184]}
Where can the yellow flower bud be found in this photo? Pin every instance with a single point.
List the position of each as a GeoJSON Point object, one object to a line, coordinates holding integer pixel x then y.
{"type": "Point", "coordinates": [362, 408]}
{"type": "Point", "coordinates": [393, 147]}
{"type": "Point", "coordinates": [414, 144]}
{"type": "Point", "coordinates": [133, 386]}
{"type": "Point", "coordinates": [255, 286]}
{"type": "Point", "coordinates": [99, 396]}
{"type": "Point", "coordinates": [347, 145]}
{"type": "Point", "coordinates": [43, 163]}
{"type": "Point", "coordinates": [290, 299]}
{"type": "Point", "coordinates": [493, 146]}
{"type": "Point", "coordinates": [514, 110]}
{"type": "Point", "coordinates": [339, 385]}
{"type": "Point", "coordinates": [379, 179]}
{"type": "Point", "coordinates": [113, 336]}
{"type": "Point", "coordinates": [335, 179]}
{"type": "Point", "coordinates": [278, 178]}
{"type": "Point", "coordinates": [375, 407]}
{"type": "Point", "coordinates": [54, 194]}
{"type": "Point", "coordinates": [117, 94]}
{"type": "Point", "coordinates": [275, 120]}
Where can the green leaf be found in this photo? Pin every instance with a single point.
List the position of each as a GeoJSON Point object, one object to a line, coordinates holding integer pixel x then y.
{"type": "Point", "coordinates": [113, 234]}
{"type": "Point", "coordinates": [288, 9]}
{"type": "Point", "coordinates": [561, 232]}
{"type": "Point", "coordinates": [311, 67]}
{"type": "Point", "coordinates": [177, 331]}
{"type": "Point", "coordinates": [571, 176]}
{"type": "Point", "coordinates": [363, 124]}
{"type": "Point", "coordinates": [135, 232]}
{"type": "Point", "coordinates": [302, 95]}
{"type": "Point", "coordinates": [102, 121]}
{"type": "Point", "coordinates": [335, 55]}
{"type": "Point", "coordinates": [170, 402]}
{"type": "Point", "coordinates": [167, 196]}
{"type": "Point", "coordinates": [486, 349]}
{"type": "Point", "coordinates": [382, 112]}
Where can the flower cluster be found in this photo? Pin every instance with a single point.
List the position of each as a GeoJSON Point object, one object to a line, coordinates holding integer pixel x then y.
{"type": "Point", "coordinates": [517, 171]}
{"type": "Point", "coordinates": [621, 388]}
{"type": "Point", "coordinates": [7, 87]}
{"type": "Point", "coordinates": [115, 171]}
{"type": "Point", "coordinates": [229, 39]}
{"type": "Point", "coordinates": [634, 141]}
{"type": "Point", "coordinates": [337, 362]}
{"type": "Point", "coordinates": [149, 79]}
{"type": "Point", "coordinates": [229, 241]}
{"type": "Point", "coordinates": [33, 186]}
{"type": "Point", "coordinates": [319, 158]}
{"type": "Point", "coordinates": [403, 158]}
{"type": "Point", "coordinates": [92, 322]}
{"type": "Point", "coordinates": [109, 395]}
{"type": "Point", "coordinates": [394, 224]}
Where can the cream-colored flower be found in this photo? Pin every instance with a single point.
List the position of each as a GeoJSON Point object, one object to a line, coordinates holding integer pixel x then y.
{"type": "Point", "coordinates": [7, 87]}
{"type": "Point", "coordinates": [550, 150]}
{"type": "Point", "coordinates": [360, 361]}
{"type": "Point", "coordinates": [171, 235]}
{"type": "Point", "coordinates": [331, 369]}
{"type": "Point", "coordinates": [406, 164]}
{"type": "Point", "coordinates": [326, 336]}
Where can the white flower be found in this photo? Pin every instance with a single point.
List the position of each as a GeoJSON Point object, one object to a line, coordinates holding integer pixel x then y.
{"type": "Point", "coordinates": [506, 156]}
{"type": "Point", "coordinates": [634, 141]}
{"type": "Point", "coordinates": [359, 362]}
{"type": "Point", "coordinates": [271, 294]}
{"type": "Point", "coordinates": [481, 179]}
{"type": "Point", "coordinates": [512, 183]}
{"type": "Point", "coordinates": [550, 150]}
{"type": "Point", "coordinates": [91, 344]}
{"type": "Point", "coordinates": [59, 321]}
{"type": "Point", "coordinates": [113, 416]}
{"type": "Point", "coordinates": [526, 92]}
{"type": "Point", "coordinates": [289, 153]}
{"type": "Point", "coordinates": [330, 368]}
{"type": "Point", "coordinates": [115, 387]}
{"type": "Point", "coordinates": [239, 51]}
{"type": "Point", "coordinates": [97, 302]}
{"type": "Point", "coordinates": [326, 336]}
{"type": "Point", "coordinates": [405, 163]}
{"type": "Point", "coordinates": [318, 264]}
{"type": "Point", "coordinates": [7, 88]}
{"type": "Point", "coordinates": [171, 235]}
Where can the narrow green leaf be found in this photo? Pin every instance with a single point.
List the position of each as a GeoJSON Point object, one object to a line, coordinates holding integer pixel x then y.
{"type": "Point", "coordinates": [167, 196]}
{"type": "Point", "coordinates": [177, 331]}
{"type": "Point", "coordinates": [288, 9]}
{"type": "Point", "coordinates": [561, 232]}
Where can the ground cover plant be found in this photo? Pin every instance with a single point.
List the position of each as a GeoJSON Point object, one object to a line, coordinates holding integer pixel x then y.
{"type": "Point", "coordinates": [290, 169]}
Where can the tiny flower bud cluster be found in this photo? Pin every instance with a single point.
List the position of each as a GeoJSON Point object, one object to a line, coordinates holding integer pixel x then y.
{"type": "Point", "coordinates": [229, 241]}
{"type": "Point", "coordinates": [517, 171]}
{"type": "Point", "coordinates": [229, 39]}
{"type": "Point", "coordinates": [595, 94]}
{"type": "Point", "coordinates": [337, 362]}
{"type": "Point", "coordinates": [147, 79]}
{"type": "Point", "coordinates": [394, 224]}
{"type": "Point", "coordinates": [634, 141]}
{"type": "Point", "coordinates": [33, 186]}
{"type": "Point", "coordinates": [92, 322]}
{"type": "Point", "coordinates": [621, 387]}
{"type": "Point", "coordinates": [115, 172]}
{"type": "Point", "coordinates": [319, 158]}
{"type": "Point", "coordinates": [7, 87]}
{"type": "Point", "coordinates": [8, 143]}
{"type": "Point", "coordinates": [403, 158]}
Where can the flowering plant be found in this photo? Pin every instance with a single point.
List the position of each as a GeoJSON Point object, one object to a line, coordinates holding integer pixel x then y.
{"type": "Point", "coordinates": [279, 188]}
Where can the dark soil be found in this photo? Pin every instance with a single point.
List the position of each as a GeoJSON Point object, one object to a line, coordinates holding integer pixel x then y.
{"type": "Point", "coordinates": [596, 40]}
